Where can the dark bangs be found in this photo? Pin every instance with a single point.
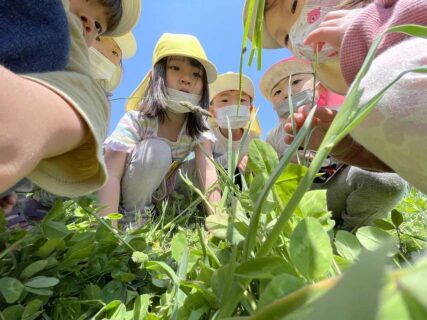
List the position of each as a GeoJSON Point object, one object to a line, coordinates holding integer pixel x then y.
{"type": "Point", "coordinates": [114, 12]}
{"type": "Point", "coordinates": [153, 104]}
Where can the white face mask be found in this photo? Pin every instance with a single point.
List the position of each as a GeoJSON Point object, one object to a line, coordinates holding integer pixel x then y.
{"type": "Point", "coordinates": [312, 15]}
{"type": "Point", "coordinates": [299, 99]}
{"type": "Point", "coordinates": [101, 67]}
{"type": "Point", "coordinates": [180, 96]}
{"type": "Point", "coordinates": [238, 117]}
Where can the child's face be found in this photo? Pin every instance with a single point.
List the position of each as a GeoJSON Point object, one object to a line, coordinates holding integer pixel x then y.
{"type": "Point", "coordinates": [183, 76]}
{"type": "Point", "coordinates": [280, 17]}
{"type": "Point", "coordinates": [109, 48]}
{"type": "Point", "coordinates": [300, 82]}
{"type": "Point", "coordinates": [228, 98]}
{"type": "Point", "coordinates": [93, 17]}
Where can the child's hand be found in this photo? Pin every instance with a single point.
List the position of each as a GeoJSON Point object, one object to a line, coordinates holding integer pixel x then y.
{"type": "Point", "coordinates": [332, 29]}
{"type": "Point", "coordinates": [243, 164]}
{"type": "Point", "coordinates": [322, 120]}
{"type": "Point", "coordinates": [7, 203]}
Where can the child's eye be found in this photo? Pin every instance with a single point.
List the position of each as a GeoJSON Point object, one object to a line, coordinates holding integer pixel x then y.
{"type": "Point", "coordinates": [243, 100]}
{"type": "Point", "coordinates": [197, 75]}
{"type": "Point", "coordinates": [295, 82]}
{"type": "Point", "coordinates": [115, 53]}
{"type": "Point", "coordinates": [294, 6]}
{"type": "Point", "coordinates": [276, 93]}
{"type": "Point", "coordinates": [224, 100]}
{"type": "Point", "coordinates": [98, 39]}
{"type": "Point", "coordinates": [98, 27]}
{"type": "Point", "coordinates": [286, 40]}
{"type": "Point", "coordinates": [175, 68]}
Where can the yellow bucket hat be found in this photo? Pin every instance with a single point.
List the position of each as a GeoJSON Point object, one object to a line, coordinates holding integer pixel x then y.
{"type": "Point", "coordinates": [127, 45]}
{"type": "Point", "coordinates": [131, 10]}
{"type": "Point", "coordinates": [230, 81]}
{"type": "Point", "coordinates": [171, 44]}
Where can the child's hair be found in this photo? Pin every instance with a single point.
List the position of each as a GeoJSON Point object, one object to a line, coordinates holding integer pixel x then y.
{"type": "Point", "coordinates": [114, 12]}
{"type": "Point", "coordinates": [154, 105]}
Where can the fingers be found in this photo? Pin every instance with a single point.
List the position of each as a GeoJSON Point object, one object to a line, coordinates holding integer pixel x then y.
{"type": "Point", "coordinates": [7, 203]}
{"type": "Point", "coordinates": [322, 35]}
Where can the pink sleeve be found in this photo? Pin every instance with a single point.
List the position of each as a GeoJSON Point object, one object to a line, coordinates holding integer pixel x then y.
{"type": "Point", "coordinates": [373, 19]}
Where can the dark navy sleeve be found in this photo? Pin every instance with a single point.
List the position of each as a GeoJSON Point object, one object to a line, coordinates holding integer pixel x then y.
{"type": "Point", "coordinates": [34, 36]}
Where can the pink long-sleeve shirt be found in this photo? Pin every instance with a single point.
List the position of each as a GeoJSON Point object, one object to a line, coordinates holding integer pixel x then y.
{"type": "Point", "coordinates": [374, 19]}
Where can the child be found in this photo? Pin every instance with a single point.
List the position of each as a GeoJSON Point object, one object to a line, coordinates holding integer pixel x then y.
{"type": "Point", "coordinates": [165, 129]}
{"type": "Point", "coordinates": [64, 157]}
{"type": "Point", "coordinates": [392, 137]}
{"type": "Point", "coordinates": [356, 197]}
{"type": "Point", "coordinates": [224, 104]}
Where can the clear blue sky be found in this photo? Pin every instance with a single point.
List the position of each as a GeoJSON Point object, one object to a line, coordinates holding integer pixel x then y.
{"type": "Point", "coordinates": [218, 26]}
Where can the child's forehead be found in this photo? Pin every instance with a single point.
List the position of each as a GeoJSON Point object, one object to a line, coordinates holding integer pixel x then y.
{"type": "Point", "coordinates": [298, 76]}
{"type": "Point", "coordinates": [231, 92]}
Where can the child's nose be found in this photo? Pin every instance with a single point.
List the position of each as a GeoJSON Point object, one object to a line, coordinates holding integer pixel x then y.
{"type": "Point", "coordinates": [185, 79]}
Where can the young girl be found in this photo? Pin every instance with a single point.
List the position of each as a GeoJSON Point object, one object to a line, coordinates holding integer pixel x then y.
{"type": "Point", "coordinates": [356, 197]}
{"type": "Point", "coordinates": [56, 142]}
{"type": "Point", "coordinates": [224, 104]}
{"type": "Point", "coordinates": [166, 128]}
{"type": "Point", "coordinates": [392, 137]}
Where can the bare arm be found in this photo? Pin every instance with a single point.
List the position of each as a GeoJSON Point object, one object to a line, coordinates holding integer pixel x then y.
{"type": "Point", "coordinates": [109, 195]}
{"type": "Point", "coordinates": [36, 123]}
{"type": "Point", "coordinates": [206, 172]}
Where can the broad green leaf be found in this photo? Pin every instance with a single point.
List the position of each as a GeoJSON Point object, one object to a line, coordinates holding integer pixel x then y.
{"type": "Point", "coordinates": [314, 204]}
{"type": "Point", "coordinates": [259, 268]}
{"type": "Point", "coordinates": [288, 180]}
{"type": "Point", "coordinates": [42, 282]}
{"type": "Point", "coordinates": [347, 245]}
{"type": "Point", "coordinates": [140, 308]}
{"type": "Point", "coordinates": [383, 224]}
{"type": "Point", "coordinates": [373, 238]}
{"type": "Point", "coordinates": [33, 269]}
{"type": "Point", "coordinates": [262, 157]}
{"type": "Point", "coordinates": [278, 287]}
{"type": "Point", "coordinates": [11, 289]}
{"type": "Point", "coordinates": [111, 306]}
{"type": "Point", "coordinates": [112, 291]}
{"type": "Point", "coordinates": [163, 268]}
{"type": "Point", "coordinates": [255, 188]}
{"type": "Point", "coordinates": [310, 249]}
{"type": "Point", "coordinates": [91, 292]}
{"type": "Point", "coordinates": [49, 246]}
{"type": "Point", "coordinates": [217, 224]}
{"type": "Point", "coordinates": [56, 212]}
{"type": "Point", "coordinates": [364, 281]}
{"type": "Point", "coordinates": [178, 244]}
{"type": "Point", "coordinates": [39, 292]}
{"type": "Point", "coordinates": [13, 312]}
{"type": "Point", "coordinates": [393, 306]}
{"type": "Point", "coordinates": [396, 217]}
{"type": "Point", "coordinates": [53, 229]}
{"type": "Point", "coordinates": [414, 288]}
{"type": "Point", "coordinates": [31, 310]}
{"type": "Point", "coordinates": [115, 216]}
{"type": "Point", "coordinates": [119, 314]}
{"type": "Point", "coordinates": [123, 276]}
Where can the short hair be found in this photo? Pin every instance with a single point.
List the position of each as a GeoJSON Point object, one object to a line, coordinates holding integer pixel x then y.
{"type": "Point", "coordinates": [154, 105]}
{"type": "Point", "coordinates": [114, 12]}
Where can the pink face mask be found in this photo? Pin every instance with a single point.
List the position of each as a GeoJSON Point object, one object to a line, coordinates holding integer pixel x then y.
{"type": "Point", "coordinates": [311, 16]}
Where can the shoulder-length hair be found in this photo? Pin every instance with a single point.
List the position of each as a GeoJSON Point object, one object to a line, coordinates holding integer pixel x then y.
{"type": "Point", "coordinates": [154, 102]}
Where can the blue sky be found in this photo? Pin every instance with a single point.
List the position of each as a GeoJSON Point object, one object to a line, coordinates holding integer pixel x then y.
{"type": "Point", "coordinates": [218, 26]}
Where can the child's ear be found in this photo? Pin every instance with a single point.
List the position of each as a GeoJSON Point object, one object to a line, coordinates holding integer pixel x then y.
{"type": "Point", "coordinates": [212, 110]}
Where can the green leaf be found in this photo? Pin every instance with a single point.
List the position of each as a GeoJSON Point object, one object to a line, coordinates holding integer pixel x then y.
{"type": "Point", "coordinates": [288, 180]}
{"type": "Point", "coordinates": [310, 249]}
{"type": "Point", "coordinates": [255, 188]}
{"type": "Point", "coordinates": [11, 289]}
{"type": "Point", "coordinates": [259, 268]}
{"type": "Point", "coordinates": [262, 157]}
{"type": "Point", "coordinates": [383, 224]}
{"type": "Point", "coordinates": [397, 218]}
{"type": "Point", "coordinates": [339, 302]}
{"type": "Point", "coordinates": [49, 246]}
{"type": "Point", "coordinates": [34, 268]}
{"type": "Point", "coordinates": [39, 292]}
{"type": "Point", "coordinates": [32, 310]}
{"type": "Point", "coordinates": [373, 238]}
{"type": "Point", "coordinates": [91, 292]}
{"type": "Point", "coordinates": [217, 224]}
{"type": "Point", "coordinates": [123, 276]}
{"type": "Point", "coordinates": [278, 287]}
{"type": "Point", "coordinates": [140, 308]}
{"type": "Point", "coordinates": [13, 312]}
{"type": "Point", "coordinates": [42, 282]}
{"type": "Point", "coordinates": [112, 291]}
{"type": "Point", "coordinates": [120, 313]}
{"type": "Point", "coordinates": [347, 245]}
{"type": "Point", "coordinates": [178, 244]}
{"type": "Point", "coordinates": [314, 204]}
{"type": "Point", "coordinates": [111, 306]}
{"type": "Point", "coordinates": [53, 229]}
{"type": "Point", "coordinates": [114, 216]}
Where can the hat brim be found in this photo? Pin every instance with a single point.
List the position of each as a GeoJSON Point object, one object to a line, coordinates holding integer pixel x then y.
{"type": "Point", "coordinates": [280, 71]}
{"type": "Point", "coordinates": [131, 11]}
{"type": "Point", "coordinates": [230, 81]}
{"type": "Point", "coordinates": [136, 96]}
{"type": "Point", "coordinates": [127, 45]}
{"type": "Point", "coordinates": [268, 42]}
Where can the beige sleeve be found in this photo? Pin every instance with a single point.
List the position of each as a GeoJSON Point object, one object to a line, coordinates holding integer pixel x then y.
{"type": "Point", "coordinates": [82, 170]}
